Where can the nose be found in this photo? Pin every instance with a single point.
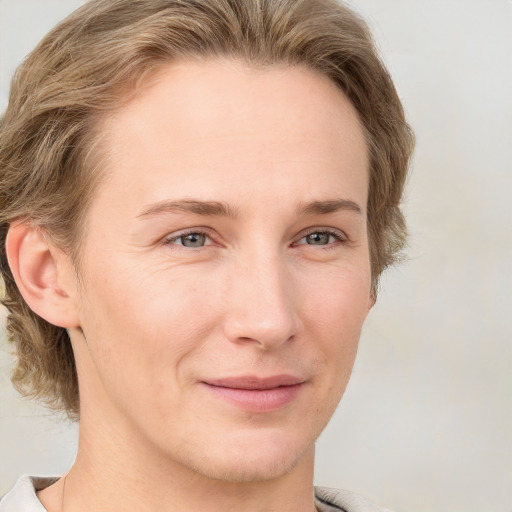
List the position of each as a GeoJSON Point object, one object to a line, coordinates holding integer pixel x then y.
{"type": "Point", "coordinates": [260, 303]}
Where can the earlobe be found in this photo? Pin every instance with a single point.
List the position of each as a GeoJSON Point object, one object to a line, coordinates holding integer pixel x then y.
{"type": "Point", "coordinates": [43, 274]}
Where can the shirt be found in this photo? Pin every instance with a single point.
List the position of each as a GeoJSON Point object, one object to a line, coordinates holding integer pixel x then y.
{"type": "Point", "coordinates": [23, 498]}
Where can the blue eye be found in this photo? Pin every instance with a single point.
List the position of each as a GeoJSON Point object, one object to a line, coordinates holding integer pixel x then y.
{"type": "Point", "coordinates": [193, 240]}
{"type": "Point", "coordinates": [320, 238]}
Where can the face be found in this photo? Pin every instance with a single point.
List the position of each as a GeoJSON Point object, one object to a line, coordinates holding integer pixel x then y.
{"type": "Point", "coordinates": [225, 269]}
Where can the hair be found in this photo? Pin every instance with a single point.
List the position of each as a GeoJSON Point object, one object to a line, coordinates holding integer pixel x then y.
{"type": "Point", "coordinates": [93, 60]}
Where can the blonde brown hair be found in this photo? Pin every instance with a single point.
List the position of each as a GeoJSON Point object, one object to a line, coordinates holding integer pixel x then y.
{"type": "Point", "coordinates": [85, 67]}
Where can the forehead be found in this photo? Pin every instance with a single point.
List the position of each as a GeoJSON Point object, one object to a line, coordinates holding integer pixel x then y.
{"type": "Point", "coordinates": [204, 124]}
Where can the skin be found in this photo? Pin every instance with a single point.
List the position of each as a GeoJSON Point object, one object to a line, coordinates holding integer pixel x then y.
{"type": "Point", "coordinates": [173, 295]}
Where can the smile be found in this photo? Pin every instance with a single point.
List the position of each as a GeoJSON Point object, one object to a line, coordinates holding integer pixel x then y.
{"type": "Point", "coordinates": [257, 395]}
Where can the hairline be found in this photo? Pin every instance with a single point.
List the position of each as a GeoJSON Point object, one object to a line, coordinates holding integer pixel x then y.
{"type": "Point", "coordinates": [96, 146]}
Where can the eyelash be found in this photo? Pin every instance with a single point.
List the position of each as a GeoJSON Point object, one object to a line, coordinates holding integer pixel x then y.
{"type": "Point", "coordinates": [170, 240]}
{"type": "Point", "coordinates": [339, 238]}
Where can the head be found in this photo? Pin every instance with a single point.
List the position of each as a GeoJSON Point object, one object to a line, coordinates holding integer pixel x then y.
{"type": "Point", "coordinates": [109, 59]}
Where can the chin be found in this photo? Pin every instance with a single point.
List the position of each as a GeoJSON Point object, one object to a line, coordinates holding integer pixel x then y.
{"type": "Point", "coordinates": [245, 464]}
{"type": "Point", "coordinates": [245, 470]}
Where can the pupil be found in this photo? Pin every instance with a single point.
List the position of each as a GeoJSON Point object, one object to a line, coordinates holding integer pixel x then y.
{"type": "Point", "coordinates": [318, 238]}
{"type": "Point", "coordinates": [194, 240]}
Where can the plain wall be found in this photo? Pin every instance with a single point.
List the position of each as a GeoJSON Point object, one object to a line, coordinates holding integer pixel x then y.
{"type": "Point", "coordinates": [426, 422]}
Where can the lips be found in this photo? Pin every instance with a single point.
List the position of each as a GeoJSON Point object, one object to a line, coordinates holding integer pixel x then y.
{"type": "Point", "coordinates": [256, 394]}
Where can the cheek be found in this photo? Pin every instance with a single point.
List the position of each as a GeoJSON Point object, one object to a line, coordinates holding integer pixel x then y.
{"type": "Point", "coordinates": [334, 316]}
{"type": "Point", "coordinates": [339, 301]}
{"type": "Point", "coordinates": [142, 326]}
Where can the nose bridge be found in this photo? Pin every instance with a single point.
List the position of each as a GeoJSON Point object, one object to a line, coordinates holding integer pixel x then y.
{"type": "Point", "coordinates": [261, 299]}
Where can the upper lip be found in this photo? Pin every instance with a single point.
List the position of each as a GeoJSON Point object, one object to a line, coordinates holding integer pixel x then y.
{"type": "Point", "coordinates": [254, 382]}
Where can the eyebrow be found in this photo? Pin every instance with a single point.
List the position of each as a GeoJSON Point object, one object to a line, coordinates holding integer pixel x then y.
{"type": "Point", "coordinates": [325, 207]}
{"type": "Point", "coordinates": [213, 208]}
{"type": "Point", "coordinates": [221, 209]}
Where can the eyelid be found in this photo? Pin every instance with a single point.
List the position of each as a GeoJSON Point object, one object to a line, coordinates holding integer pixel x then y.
{"type": "Point", "coordinates": [339, 235]}
{"type": "Point", "coordinates": [172, 237]}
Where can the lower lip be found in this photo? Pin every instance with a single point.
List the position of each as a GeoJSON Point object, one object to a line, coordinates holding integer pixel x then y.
{"type": "Point", "coordinates": [258, 400]}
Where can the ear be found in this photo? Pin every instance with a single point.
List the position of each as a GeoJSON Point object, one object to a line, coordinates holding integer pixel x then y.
{"type": "Point", "coordinates": [45, 275]}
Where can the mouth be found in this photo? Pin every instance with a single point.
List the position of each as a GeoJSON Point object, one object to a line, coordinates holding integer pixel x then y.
{"type": "Point", "coordinates": [256, 394]}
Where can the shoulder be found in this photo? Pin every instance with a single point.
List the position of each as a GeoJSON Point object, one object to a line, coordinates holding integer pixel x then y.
{"type": "Point", "coordinates": [22, 497]}
{"type": "Point", "coordinates": [333, 500]}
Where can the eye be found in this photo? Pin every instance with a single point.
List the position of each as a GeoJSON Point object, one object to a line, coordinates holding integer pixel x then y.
{"type": "Point", "coordinates": [321, 238]}
{"type": "Point", "coordinates": [193, 240]}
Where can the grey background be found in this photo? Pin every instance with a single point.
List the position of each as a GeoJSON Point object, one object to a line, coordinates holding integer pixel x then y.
{"type": "Point", "coordinates": [426, 422]}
